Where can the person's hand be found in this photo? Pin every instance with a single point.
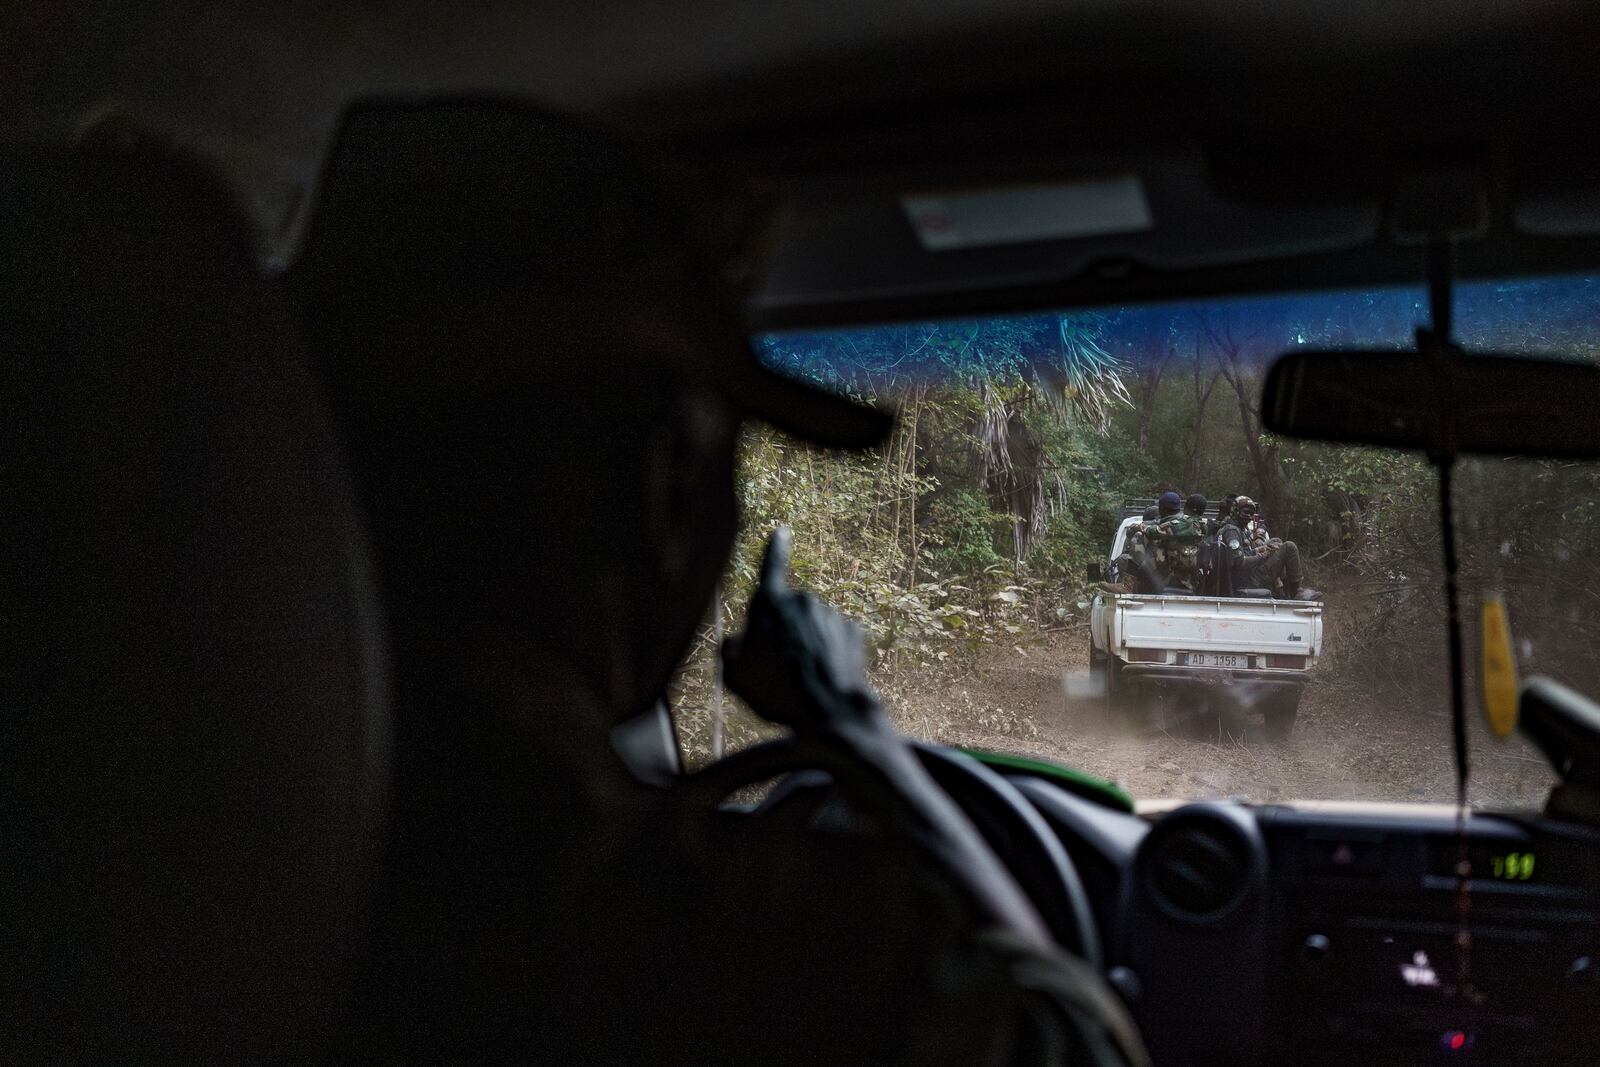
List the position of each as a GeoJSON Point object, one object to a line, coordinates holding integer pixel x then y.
{"type": "Point", "coordinates": [798, 661]}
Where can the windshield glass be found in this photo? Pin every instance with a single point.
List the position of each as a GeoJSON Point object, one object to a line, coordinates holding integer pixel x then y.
{"type": "Point", "coordinates": [997, 555]}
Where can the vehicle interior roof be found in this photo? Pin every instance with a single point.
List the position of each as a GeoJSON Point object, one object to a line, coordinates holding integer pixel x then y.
{"type": "Point", "coordinates": [1269, 138]}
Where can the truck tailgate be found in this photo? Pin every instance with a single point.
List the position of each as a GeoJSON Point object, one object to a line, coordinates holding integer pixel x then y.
{"type": "Point", "coordinates": [1217, 624]}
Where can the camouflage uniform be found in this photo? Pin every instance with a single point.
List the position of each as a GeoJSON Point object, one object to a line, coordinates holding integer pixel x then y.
{"type": "Point", "coordinates": [1132, 564]}
{"type": "Point", "coordinates": [1177, 543]}
{"type": "Point", "coordinates": [1146, 563]}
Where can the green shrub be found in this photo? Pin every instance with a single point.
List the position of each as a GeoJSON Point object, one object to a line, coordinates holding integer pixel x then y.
{"type": "Point", "coordinates": [961, 531]}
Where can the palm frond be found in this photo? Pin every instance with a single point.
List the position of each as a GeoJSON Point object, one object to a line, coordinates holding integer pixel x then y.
{"type": "Point", "coordinates": [1084, 383]}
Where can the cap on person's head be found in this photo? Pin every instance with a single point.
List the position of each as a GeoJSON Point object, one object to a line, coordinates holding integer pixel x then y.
{"type": "Point", "coordinates": [548, 229]}
{"type": "Point", "coordinates": [1243, 506]}
{"type": "Point", "coordinates": [1151, 513]}
{"type": "Point", "coordinates": [1169, 503]}
{"type": "Point", "coordinates": [1195, 504]}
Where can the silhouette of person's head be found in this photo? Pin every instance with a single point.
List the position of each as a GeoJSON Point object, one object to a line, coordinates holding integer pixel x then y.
{"type": "Point", "coordinates": [542, 375]}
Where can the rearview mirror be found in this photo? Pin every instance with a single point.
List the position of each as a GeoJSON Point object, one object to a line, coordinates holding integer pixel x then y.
{"type": "Point", "coordinates": [1444, 403]}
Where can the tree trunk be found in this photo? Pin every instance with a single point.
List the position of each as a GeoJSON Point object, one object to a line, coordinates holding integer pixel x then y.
{"type": "Point", "coordinates": [1197, 429]}
{"type": "Point", "coordinates": [1272, 489]}
{"type": "Point", "coordinates": [1147, 417]}
{"type": "Point", "coordinates": [909, 481]}
{"type": "Point", "coordinates": [1271, 486]}
{"type": "Point", "coordinates": [717, 714]}
{"type": "Point", "coordinates": [1148, 384]}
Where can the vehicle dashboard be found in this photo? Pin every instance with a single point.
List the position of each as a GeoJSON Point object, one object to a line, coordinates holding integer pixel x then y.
{"type": "Point", "coordinates": [1341, 933]}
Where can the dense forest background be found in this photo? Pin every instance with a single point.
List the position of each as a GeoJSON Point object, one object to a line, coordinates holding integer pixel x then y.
{"type": "Point", "coordinates": [1019, 437]}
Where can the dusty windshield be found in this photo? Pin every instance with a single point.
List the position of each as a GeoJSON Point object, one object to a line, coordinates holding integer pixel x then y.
{"type": "Point", "coordinates": [1037, 573]}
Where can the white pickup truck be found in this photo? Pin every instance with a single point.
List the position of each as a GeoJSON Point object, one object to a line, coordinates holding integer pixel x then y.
{"type": "Point", "coordinates": [1249, 654]}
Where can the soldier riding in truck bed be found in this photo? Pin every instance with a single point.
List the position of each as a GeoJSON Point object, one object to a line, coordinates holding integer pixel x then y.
{"type": "Point", "coordinates": [1189, 548]}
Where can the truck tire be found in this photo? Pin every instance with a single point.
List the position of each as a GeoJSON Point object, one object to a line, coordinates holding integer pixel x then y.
{"type": "Point", "coordinates": [1279, 714]}
{"type": "Point", "coordinates": [1100, 680]}
{"type": "Point", "coordinates": [1120, 699]}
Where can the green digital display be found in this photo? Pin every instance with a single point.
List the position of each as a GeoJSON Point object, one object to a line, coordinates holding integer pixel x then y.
{"type": "Point", "coordinates": [1512, 866]}
{"type": "Point", "coordinates": [1529, 861]}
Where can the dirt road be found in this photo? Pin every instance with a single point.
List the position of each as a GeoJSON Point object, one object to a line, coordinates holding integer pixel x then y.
{"type": "Point", "coordinates": [1353, 741]}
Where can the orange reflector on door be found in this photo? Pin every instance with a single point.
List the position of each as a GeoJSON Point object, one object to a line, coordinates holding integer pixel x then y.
{"type": "Point", "coordinates": [1498, 677]}
{"type": "Point", "coordinates": [1147, 655]}
{"type": "Point", "coordinates": [1293, 663]}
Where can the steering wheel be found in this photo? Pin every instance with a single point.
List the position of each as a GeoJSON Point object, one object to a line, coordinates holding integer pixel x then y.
{"type": "Point", "coordinates": [814, 776]}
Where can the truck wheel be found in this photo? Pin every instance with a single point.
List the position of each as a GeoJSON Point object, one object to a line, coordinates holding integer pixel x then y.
{"type": "Point", "coordinates": [1120, 699]}
{"type": "Point", "coordinates": [1100, 678]}
{"type": "Point", "coordinates": [1279, 714]}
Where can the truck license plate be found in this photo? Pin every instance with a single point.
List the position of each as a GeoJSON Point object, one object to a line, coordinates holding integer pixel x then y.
{"type": "Point", "coordinates": [1216, 659]}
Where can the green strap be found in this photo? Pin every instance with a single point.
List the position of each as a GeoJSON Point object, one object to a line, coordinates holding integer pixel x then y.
{"type": "Point", "coordinates": [1073, 781]}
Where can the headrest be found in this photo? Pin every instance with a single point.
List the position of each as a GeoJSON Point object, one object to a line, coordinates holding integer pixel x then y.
{"type": "Point", "coordinates": [193, 732]}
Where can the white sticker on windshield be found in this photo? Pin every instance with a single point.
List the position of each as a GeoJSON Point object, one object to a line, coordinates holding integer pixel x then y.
{"type": "Point", "coordinates": [1020, 213]}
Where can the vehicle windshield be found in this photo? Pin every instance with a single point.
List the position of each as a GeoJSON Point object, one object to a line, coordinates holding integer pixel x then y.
{"type": "Point", "coordinates": [979, 549]}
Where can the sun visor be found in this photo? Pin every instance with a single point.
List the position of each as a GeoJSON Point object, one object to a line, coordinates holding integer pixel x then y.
{"type": "Point", "coordinates": [850, 241]}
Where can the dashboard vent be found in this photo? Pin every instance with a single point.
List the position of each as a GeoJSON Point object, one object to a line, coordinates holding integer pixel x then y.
{"type": "Point", "coordinates": [1198, 869]}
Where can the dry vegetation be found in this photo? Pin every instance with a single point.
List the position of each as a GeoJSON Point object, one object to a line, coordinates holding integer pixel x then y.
{"type": "Point", "coordinates": [959, 546]}
{"type": "Point", "coordinates": [1359, 737]}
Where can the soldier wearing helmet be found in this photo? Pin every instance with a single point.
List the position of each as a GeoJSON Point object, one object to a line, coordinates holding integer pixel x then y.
{"type": "Point", "coordinates": [1265, 560]}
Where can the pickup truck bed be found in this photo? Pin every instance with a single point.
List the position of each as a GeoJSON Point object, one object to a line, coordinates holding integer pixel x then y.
{"type": "Point", "coordinates": [1161, 643]}
{"type": "Point", "coordinates": [1239, 626]}
{"type": "Point", "coordinates": [1176, 646]}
